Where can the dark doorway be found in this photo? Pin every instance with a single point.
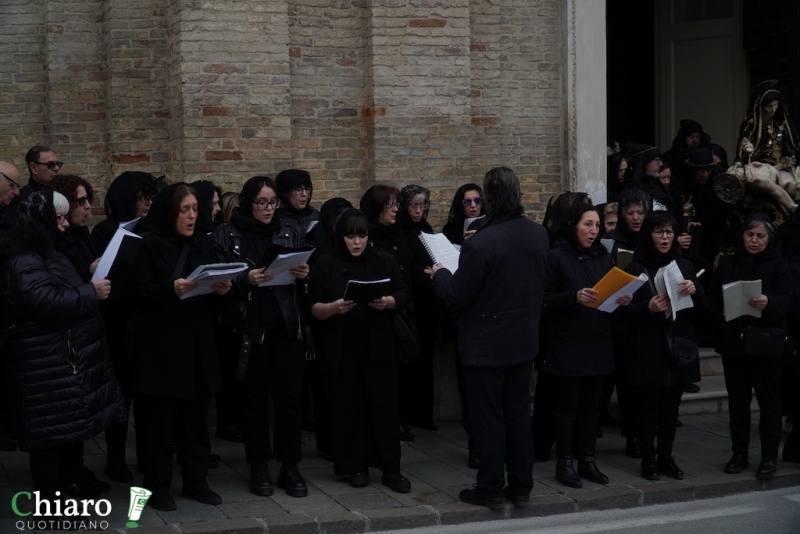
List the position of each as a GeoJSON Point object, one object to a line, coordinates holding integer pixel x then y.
{"type": "Point", "coordinates": [631, 71]}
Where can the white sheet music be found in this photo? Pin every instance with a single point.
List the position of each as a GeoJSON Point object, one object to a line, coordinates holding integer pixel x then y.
{"type": "Point", "coordinates": [441, 250]}
{"type": "Point", "coordinates": [281, 267]}
{"type": "Point", "coordinates": [667, 280]}
{"type": "Point", "coordinates": [107, 259]}
{"type": "Point", "coordinates": [735, 296]}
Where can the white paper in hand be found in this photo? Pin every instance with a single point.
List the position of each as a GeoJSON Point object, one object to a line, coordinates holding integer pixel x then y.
{"type": "Point", "coordinates": [280, 268]}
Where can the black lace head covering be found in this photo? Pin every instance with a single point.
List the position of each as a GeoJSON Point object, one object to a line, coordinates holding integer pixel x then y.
{"type": "Point", "coordinates": [406, 194]}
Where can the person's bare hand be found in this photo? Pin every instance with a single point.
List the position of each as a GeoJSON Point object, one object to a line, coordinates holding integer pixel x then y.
{"type": "Point", "coordinates": [102, 288]}
{"type": "Point", "coordinates": [183, 286]}
{"type": "Point", "coordinates": [587, 295]}
{"type": "Point", "coordinates": [686, 287]}
{"type": "Point", "coordinates": [758, 303]}
{"type": "Point", "coordinates": [658, 303]}
{"type": "Point", "coordinates": [469, 233]}
{"type": "Point", "coordinates": [342, 306]}
{"type": "Point", "coordinates": [379, 304]}
{"type": "Point", "coordinates": [222, 288]}
{"type": "Point", "coordinates": [93, 266]}
{"type": "Point", "coordinates": [299, 271]}
{"type": "Point", "coordinates": [624, 300]}
{"type": "Point", "coordinates": [432, 269]}
{"type": "Point", "coordinates": [257, 276]}
{"type": "Point", "coordinates": [685, 241]}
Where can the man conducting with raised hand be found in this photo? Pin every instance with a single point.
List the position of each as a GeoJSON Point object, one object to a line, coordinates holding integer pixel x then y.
{"type": "Point", "coordinates": [499, 286]}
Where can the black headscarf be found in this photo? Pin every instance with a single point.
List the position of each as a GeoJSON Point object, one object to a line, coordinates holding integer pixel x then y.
{"type": "Point", "coordinates": [641, 156]}
{"type": "Point", "coordinates": [324, 232]}
{"type": "Point", "coordinates": [745, 261]}
{"type": "Point", "coordinates": [120, 201]}
{"type": "Point", "coordinates": [340, 247]}
{"type": "Point", "coordinates": [454, 229]}
{"type": "Point", "coordinates": [406, 194]}
{"type": "Point", "coordinates": [646, 252]}
{"type": "Point", "coordinates": [160, 222]}
{"type": "Point", "coordinates": [205, 198]}
{"type": "Point", "coordinates": [689, 127]}
{"type": "Point", "coordinates": [38, 214]}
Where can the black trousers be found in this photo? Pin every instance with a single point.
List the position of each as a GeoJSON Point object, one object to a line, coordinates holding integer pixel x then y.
{"type": "Point", "coordinates": [227, 400]}
{"type": "Point", "coordinates": [363, 402]}
{"type": "Point", "coordinates": [542, 423]}
{"type": "Point", "coordinates": [577, 396]}
{"type": "Point", "coordinates": [117, 434]}
{"type": "Point", "coordinates": [466, 421]}
{"type": "Point", "coordinates": [742, 375]}
{"type": "Point", "coordinates": [275, 370]}
{"type": "Point", "coordinates": [157, 419]}
{"type": "Point", "coordinates": [54, 468]}
{"type": "Point", "coordinates": [500, 412]}
{"type": "Point", "coordinates": [656, 407]}
{"type": "Point", "coordinates": [418, 401]}
{"type": "Point", "coordinates": [790, 387]}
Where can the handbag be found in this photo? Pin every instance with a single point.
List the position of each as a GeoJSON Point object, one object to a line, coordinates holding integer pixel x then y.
{"type": "Point", "coordinates": [683, 351]}
{"type": "Point", "coordinates": [763, 341]}
{"type": "Point", "coordinates": [405, 337]}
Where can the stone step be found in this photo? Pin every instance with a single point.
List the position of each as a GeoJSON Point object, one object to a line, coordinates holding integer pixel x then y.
{"type": "Point", "coordinates": [712, 398]}
{"type": "Point", "coordinates": [710, 362]}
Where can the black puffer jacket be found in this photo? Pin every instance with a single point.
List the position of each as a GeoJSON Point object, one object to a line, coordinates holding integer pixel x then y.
{"type": "Point", "coordinates": [64, 389]}
{"type": "Point", "coordinates": [577, 339]}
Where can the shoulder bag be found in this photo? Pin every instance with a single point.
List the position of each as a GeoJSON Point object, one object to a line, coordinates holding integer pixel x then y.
{"type": "Point", "coordinates": [763, 341]}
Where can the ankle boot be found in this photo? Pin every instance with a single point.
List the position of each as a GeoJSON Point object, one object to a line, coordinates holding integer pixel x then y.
{"type": "Point", "coordinates": [586, 467]}
{"type": "Point", "coordinates": [565, 472]}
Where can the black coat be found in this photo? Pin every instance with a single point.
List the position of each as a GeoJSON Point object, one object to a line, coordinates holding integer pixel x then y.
{"type": "Point", "coordinates": [64, 388]}
{"type": "Point", "coordinates": [328, 283]}
{"type": "Point", "coordinates": [499, 289]}
{"type": "Point", "coordinates": [646, 360]}
{"type": "Point", "coordinates": [299, 221]}
{"type": "Point", "coordinates": [577, 339]}
{"type": "Point", "coordinates": [392, 239]}
{"type": "Point", "coordinates": [776, 285]}
{"type": "Point", "coordinates": [174, 351]}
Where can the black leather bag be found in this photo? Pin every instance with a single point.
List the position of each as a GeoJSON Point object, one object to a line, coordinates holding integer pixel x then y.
{"type": "Point", "coordinates": [764, 341]}
{"type": "Point", "coordinates": [405, 336]}
{"type": "Point", "coordinates": [683, 351]}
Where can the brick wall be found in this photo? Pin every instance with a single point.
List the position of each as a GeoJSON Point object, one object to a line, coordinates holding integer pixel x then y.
{"type": "Point", "coordinates": [356, 91]}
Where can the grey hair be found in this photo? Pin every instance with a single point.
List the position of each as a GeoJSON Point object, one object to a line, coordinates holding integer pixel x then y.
{"type": "Point", "coordinates": [60, 203]}
{"type": "Point", "coordinates": [755, 221]}
{"type": "Point", "coordinates": [501, 192]}
{"type": "Point", "coordinates": [635, 195]}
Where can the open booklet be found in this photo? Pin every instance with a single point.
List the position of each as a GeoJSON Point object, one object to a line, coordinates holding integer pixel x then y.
{"type": "Point", "coordinates": [364, 292]}
{"type": "Point", "coordinates": [281, 264]}
{"type": "Point", "coordinates": [441, 250]}
{"type": "Point", "coordinates": [735, 296]}
{"type": "Point", "coordinates": [615, 284]}
{"type": "Point", "coordinates": [211, 273]}
{"type": "Point", "coordinates": [667, 282]}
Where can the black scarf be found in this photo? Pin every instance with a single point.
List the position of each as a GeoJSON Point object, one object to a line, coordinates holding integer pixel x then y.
{"type": "Point", "coordinates": [324, 233]}
{"type": "Point", "coordinates": [340, 250]}
{"type": "Point", "coordinates": [746, 261]}
{"type": "Point", "coordinates": [205, 200]}
{"type": "Point", "coordinates": [79, 248]}
{"type": "Point", "coordinates": [646, 252]}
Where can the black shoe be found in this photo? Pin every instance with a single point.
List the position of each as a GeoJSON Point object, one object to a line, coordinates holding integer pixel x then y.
{"type": "Point", "coordinates": [260, 481]}
{"type": "Point", "coordinates": [327, 455]}
{"type": "Point", "coordinates": [7, 443]}
{"type": "Point", "coordinates": [200, 492]}
{"type": "Point", "coordinates": [766, 470]}
{"type": "Point", "coordinates": [565, 473]}
{"type": "Point", "coordinates": [678, 424]}
{"type": "Point", "coordinates": [668, 467]}
{"type": "Point", "coordinates": [606, 419]}
{"type": "Point", "coordinates": [359, 479]}
{"type": "Point", "coordinates": [213, 461]}
{"type": "Point", "coordinates": [289, 479]}
{"type": "Point", "coordinates": [474, 459]}
{"type": "Point", "coordinates": [599, 432]}
{"type": "Point", "coordinates": [689, 387]}
{"type": "Point", "coordinates": [632, 448]}
{"type": "Point", "coordinates": [229, 432]}
{"type": "Point", "coordinates": [650, 470]}
{"type": "Point", "coordinates": [588, 469]}
{"type": "Point", "coordinates": [118, 472]}
{"type": "Point", "coordinates": [471, 496]}
{"type": "Point", "coordinates": [396, 482]}
{"type": "Point", "coordinates": [405, 433]}
{"type": "Point", "coordinates": [426, 426]}
{"type": "Point", "coordinates": [736, 464]}
{"type": "Point", "coordinates": [161, 500]}
{"type": "Point", "coordinates": [517, 500]}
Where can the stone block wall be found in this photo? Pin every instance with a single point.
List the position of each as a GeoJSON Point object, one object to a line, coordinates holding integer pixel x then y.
{"type": "Point", "coordinates": [356, 91]}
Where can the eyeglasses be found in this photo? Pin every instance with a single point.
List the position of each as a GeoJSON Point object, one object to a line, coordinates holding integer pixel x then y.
{"type": "Point", "coordinates": [395, 206]}
{"type": "Point", "coordinates": [470, 201]}
{"type": "Point", "coordinates": [146, 199]}
{"type": "Point", "coordinates": [61, 218]}
{"type": "Point", "coordinates": [662, 233]}
{"type": "Point", "coordinates": [301, 189]}
{"type": "Point", "coordinates": [83, 200]}
{"type": "Point", "coordinates": [263, 203]}
{"type": "Point", "coordinates": [416, 207]}
{"type": "Point", "coordinates": [50, 164]}
{"type": "Point", "coordinates": [14, 185]}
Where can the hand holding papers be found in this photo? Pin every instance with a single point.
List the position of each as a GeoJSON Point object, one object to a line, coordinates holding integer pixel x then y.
{"type": "Point", "coordinates": [208, 275]}
{"type": "Point", "coordinates": [615, 284]}
{"type": "Point", "coordinates": [441, 250]}
{"type": "Point", "coordinates": [735, 297]}
{"type": "Point", "coordinates": [668, 282]}
{"type": "Point", "coordinates": [363, 292]}
{"type": "Point", "coordinates": [279, 267]}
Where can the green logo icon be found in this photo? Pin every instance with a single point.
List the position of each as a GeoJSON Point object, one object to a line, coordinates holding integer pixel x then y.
{"type": "Point", "coordinates": [139, 498]}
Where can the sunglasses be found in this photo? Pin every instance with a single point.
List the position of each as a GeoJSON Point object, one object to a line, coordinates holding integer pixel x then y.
{"type": "Point", "coordinates": [82, 201]}
{"type": "Point", "coordinates": [470, 201]}
{"type": "Point", "coordinates": [50, 164]}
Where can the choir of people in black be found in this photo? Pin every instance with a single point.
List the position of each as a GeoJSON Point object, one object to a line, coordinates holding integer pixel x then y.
{"type": "Point", "coordinates": [78, 352]}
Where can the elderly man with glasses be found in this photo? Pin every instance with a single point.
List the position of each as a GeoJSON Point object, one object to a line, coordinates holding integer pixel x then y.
{"type": "Point", "coordinates": [9, 187]}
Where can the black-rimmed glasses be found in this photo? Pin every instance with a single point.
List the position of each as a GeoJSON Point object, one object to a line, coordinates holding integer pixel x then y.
{"type": "Point", "coordinates": [263, 203]}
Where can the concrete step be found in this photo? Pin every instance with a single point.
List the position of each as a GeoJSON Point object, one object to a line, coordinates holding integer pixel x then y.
{"type": "Point", "coordinates": [712, 398]}
{"type": "Point", "coordinates": [710, 362]}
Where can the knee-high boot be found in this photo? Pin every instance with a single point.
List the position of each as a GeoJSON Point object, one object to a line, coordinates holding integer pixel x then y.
{"type": "Point", "coordinates": [586, 466]}
{"type": "Point", "coordinates": [565, 472]}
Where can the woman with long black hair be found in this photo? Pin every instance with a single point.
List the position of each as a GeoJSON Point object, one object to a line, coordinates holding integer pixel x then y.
{"type": "Point", "coordinates": [271, 341]}
{"type": "Point", "coordinates": [174, 358]}
{"type": "Point", "coordinates": [358, 355]}
{"type": "Point", "coordinates": [467, 204]}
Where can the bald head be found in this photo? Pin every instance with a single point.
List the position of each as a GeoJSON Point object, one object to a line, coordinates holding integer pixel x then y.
{"type": "Point", "coordinates": [9, 183]}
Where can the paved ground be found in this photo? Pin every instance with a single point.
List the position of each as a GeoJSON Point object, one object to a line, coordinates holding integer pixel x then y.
{"type": "Point", "coordinates": [436, 465]}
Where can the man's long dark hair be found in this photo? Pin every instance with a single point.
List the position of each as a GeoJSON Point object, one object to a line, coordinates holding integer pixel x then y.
{"type": "Point", "coordinates": [501, 193]}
